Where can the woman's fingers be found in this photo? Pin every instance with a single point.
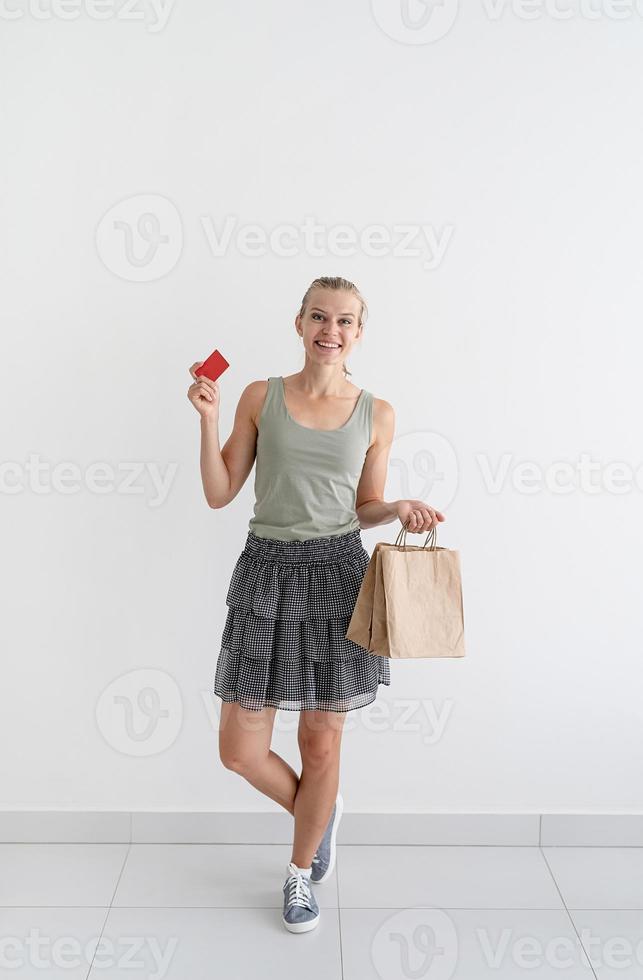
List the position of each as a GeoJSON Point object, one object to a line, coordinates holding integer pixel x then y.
{"type": "Point", "coordinates": [200, 390]}
{"type": "Point", "coordinates": [414, 521]}
{"type": "Point", "coordinates": [212, 385]}
{"type": "Point", "coordinates": [204, 390]}
{"type": "Point", "coordinates": [205, 387]}
{"type": "Point", "coordinates": [422, 518]}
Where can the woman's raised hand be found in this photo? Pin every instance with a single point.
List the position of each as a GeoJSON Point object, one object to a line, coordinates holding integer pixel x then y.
{"type": "Point", "coordinates": [421, 516]}
{"type": "Point", "coordinates": [204, 394]}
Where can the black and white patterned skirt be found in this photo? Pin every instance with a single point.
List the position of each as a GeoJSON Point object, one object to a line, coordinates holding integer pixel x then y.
{"type": "Point", "coordinates": [284, 641]}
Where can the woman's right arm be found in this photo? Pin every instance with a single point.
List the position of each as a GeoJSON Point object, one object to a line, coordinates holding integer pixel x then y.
{"type": "Point", "coordinates": [224, 471]}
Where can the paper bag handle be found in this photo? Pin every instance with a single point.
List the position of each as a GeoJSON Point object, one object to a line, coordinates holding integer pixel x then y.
{"type": "Point", "coordinates": [431, 533]}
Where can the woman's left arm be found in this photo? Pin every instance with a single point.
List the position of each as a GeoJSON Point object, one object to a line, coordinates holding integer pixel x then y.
{"type": "Point", "coordinates": [370, 505]}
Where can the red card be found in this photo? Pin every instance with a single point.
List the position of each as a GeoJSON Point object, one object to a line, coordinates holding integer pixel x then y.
{"type": "Point", "coordinates": [213, 367]}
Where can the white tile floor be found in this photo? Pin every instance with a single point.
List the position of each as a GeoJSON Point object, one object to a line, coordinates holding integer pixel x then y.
{"type": "Point", "coordinates": [192, 911]}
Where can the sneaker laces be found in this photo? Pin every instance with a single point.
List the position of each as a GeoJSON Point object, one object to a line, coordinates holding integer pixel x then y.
{"type": "Point", "coordinates": [298, 891]}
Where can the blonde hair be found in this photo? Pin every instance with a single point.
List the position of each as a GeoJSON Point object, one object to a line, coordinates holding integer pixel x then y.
{"type": "Point", "coordinates": [336, 282]}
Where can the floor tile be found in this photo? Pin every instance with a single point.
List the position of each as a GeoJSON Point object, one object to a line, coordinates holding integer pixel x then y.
{"type": "Point", "coordinates": [209, 875]}
{"type": "Point", "coordinates": [445, 876]}
{"type": "Point", "coordinates": [202, 944]}
{"type": "Point", "coordinates": [51, 943]}
{"type": "Point", "coordinates": [59, 874]}
{"type": "Point", "coordinates": [503, 944]}
{"type": "Point", "coordinates": [598, 877]}
{"type": "Point", "coordinates": [613, 941]}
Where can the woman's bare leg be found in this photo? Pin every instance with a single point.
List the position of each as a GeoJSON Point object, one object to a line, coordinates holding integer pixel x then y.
{"type": "Point", "coordinates": [244, 747]}
{"type": "Point", "coordinates": [319, 736]}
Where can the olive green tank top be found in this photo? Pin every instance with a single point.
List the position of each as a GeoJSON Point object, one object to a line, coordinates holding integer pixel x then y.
{"type": "Point", "coordinates": [306, 479]}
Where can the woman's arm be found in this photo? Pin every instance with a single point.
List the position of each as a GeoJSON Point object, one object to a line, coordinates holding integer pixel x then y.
{"type": "Point", "coordinates": [224, 471]}
{"type": "Point", "coordinates": [371, 507]}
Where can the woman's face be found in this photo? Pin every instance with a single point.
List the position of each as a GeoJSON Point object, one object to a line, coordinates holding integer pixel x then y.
{"type": "Point", "coordinates": [331, 315]}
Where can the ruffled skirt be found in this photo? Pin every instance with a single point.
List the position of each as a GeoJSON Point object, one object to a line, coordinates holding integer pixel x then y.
{"type": "Point", "coordinates": [284, 640]}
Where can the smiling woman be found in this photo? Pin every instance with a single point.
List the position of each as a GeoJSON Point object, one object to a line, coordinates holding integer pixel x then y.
{"type": "Point", "coordinates": [332, 334]}
{"type": "Point", "coordinates": [321, 446]}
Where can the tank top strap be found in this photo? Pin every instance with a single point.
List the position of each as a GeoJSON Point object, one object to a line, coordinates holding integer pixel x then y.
{"type": "Point", "coordinates": [365, 418]}
{"type": "Point", "coordinates": [271, 401]}
{"type": "Point", "coordinates": [278, 400]}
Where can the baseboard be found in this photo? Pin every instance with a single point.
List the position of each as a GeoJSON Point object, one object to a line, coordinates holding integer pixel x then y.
{"type": "Point", "coordinates": [190, 827]}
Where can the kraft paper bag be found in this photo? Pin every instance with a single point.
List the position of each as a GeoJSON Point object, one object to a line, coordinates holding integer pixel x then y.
{"type": "Point", "coordinates": [360, 626]}
{"type": "Point", "coordinates": [410, 603]}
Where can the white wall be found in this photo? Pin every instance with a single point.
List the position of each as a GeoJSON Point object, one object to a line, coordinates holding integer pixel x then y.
{"type": "Point", "coordinates": [516, 142]}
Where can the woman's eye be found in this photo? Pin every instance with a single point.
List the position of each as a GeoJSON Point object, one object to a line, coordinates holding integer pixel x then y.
{"type": "Point", "coordinates": [319, 316]}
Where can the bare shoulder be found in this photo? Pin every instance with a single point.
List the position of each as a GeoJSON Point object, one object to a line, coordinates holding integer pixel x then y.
{"type": "Point", "coordinates": [383, 422]}
{"type": "Point", "coordinates": [252, 399]}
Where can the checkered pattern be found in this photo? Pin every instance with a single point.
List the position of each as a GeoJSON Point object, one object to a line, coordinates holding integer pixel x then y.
{"type": "Point", "coordinates": [283, 642]}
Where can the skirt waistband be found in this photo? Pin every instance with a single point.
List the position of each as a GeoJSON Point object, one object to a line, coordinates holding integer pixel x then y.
{"type": "Point", "coordinates": [311, 549]}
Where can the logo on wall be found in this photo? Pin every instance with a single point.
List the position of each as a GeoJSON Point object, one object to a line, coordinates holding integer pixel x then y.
{"type": "Point", "coordinates": [141, 238]}
{"type": "Point", "coordinates": [140, 713]}
{"type": "Point", "coordinates": [415, 21]}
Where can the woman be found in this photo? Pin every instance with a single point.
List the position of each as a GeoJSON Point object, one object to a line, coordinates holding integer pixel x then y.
{"type": "Point", "coordinates": [321, 446]}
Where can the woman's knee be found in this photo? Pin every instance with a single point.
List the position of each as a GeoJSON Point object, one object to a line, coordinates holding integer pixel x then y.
{"type": "Point", "coordinates": [319, 736]}
{"type": "Point", "coordinates": [244, 737]}
{"type": "Point", "coordinates": [238, 760]}
{"type": "Point", "coordinates": [319, 751]}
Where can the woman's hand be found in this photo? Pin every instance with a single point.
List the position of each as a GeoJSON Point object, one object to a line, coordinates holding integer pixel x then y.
{"type": "Point", "coordinates": [421, 516]}
{"type": "Point", "coordinates": [204, 394]}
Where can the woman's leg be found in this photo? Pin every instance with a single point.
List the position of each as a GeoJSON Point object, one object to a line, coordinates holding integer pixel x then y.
{"type": "Point", "coordinates": [319, 736]}
{"type": "Point", "coordinates": [244, 747]}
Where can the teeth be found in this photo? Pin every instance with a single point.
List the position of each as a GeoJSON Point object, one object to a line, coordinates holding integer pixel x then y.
{"type": "Point", "coordinates": [323, 344]}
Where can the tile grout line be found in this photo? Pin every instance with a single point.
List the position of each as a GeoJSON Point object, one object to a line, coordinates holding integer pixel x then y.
{"type": "Point", "coordinates": [111, 903]}
{"type": "Point", "coordinates": [373, 908]}
{"type": "Point", "coordinates": [569, 915]}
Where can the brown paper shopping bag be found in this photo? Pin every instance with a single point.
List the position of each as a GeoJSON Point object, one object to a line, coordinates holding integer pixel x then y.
{"type": "Point", "coordinates": [410, 601]}
{"type": "Point", "coordinates": [360, 626]}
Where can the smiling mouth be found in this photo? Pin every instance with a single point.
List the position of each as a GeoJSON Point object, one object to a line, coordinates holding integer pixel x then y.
{"type": "Point", "coordinates": [324, 347]}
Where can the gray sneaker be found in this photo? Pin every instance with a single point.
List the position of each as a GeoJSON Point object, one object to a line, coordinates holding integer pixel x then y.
{"type": "Point", "coordinates": [301, 911]}
{"type": "Point", "coordinates": [324, 859]}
